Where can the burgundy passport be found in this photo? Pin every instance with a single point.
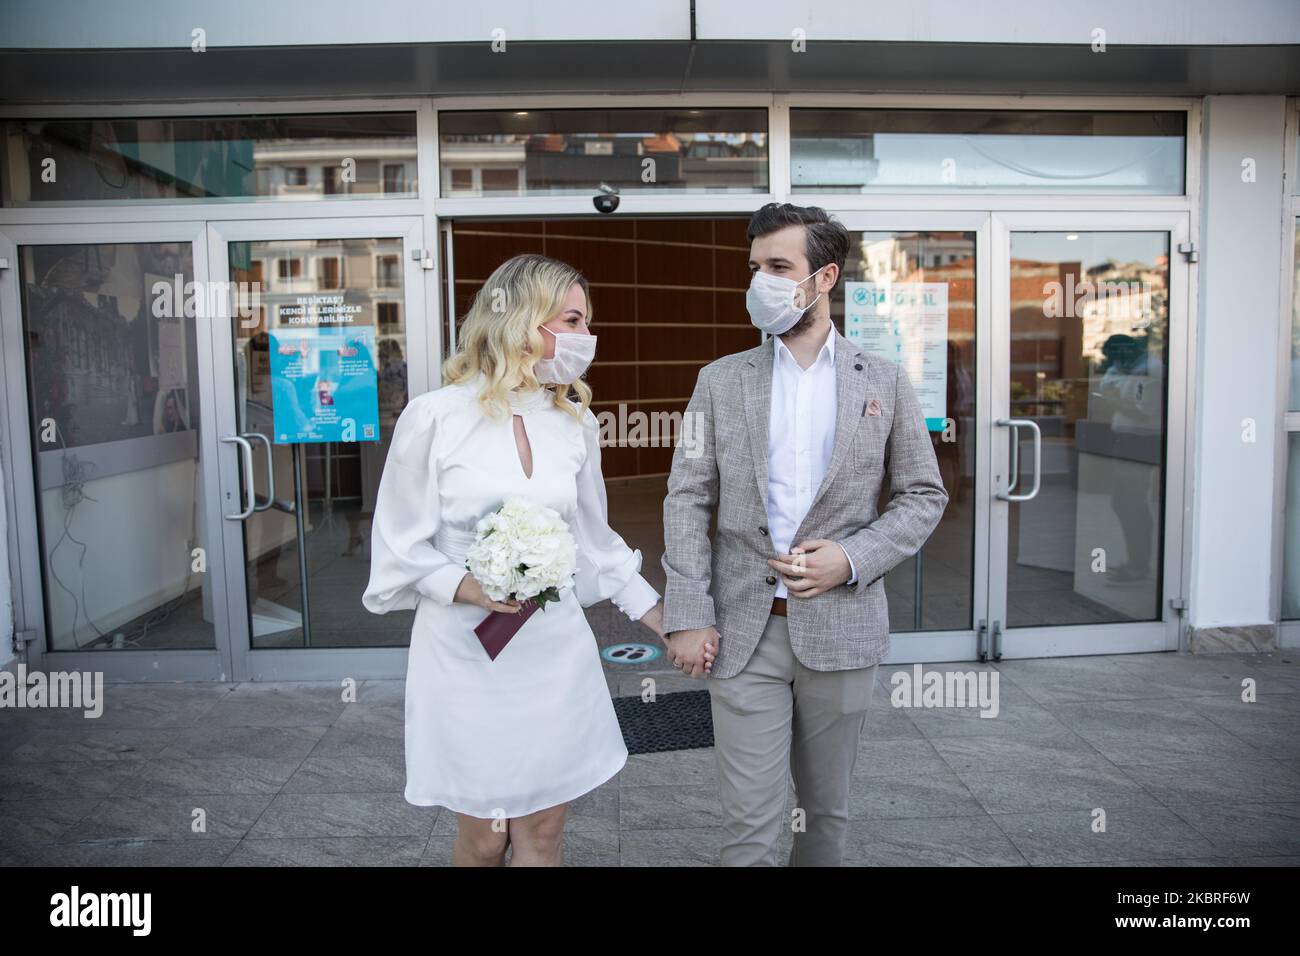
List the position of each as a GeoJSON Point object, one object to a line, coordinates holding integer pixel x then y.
{"type": "Point", "coordinates": [495, 631]}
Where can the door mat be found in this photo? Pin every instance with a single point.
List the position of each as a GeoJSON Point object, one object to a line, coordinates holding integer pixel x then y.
{"type": "Point", "coordinates": [680, 721]}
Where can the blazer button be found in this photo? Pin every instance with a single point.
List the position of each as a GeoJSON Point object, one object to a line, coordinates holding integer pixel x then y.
{"type": "Point", "coordinates": [771, 579]}
{"type": "Point", "coordinates": [762, 530]}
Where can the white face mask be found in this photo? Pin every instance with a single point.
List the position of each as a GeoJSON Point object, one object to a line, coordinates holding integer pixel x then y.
{"type": "Point", "coordinates": [770, 301]}
{"type": "Point", "coordinates": [573, 353]}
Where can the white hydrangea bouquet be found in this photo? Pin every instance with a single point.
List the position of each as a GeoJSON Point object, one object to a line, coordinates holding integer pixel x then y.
{"type": "Point", "coordinates": [522, 552]}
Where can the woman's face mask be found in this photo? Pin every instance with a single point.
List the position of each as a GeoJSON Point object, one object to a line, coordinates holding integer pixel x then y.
{"type": "Point", "coordinates": [770, 301]}
{"type": "Point", "coordinates": [573, 353]}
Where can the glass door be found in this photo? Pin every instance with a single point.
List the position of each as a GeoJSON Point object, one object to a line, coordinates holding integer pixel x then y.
{"type": "Point", "coordinates": [916, 291]}
{"type": "Point", "coordinates": [328, 344]}
{"type": "Point", "coordinates": [1088, 345]}
{"type": "Point", "coordinates": [109, 397]}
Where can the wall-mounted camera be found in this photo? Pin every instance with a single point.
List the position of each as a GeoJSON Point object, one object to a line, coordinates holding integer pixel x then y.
{"type": "Point", "coordinates": [606, 200]}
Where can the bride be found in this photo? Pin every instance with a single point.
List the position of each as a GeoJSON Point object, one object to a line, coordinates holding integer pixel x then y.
{"type": "Point", "coordinates": [505, 743]}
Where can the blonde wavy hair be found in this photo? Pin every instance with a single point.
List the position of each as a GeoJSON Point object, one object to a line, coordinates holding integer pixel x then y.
{"type": "Point", "coordinates": [518, 298]}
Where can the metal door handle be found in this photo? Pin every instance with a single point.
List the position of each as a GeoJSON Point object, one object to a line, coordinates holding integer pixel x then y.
{"type": "Point", "coordinates": [1015, 424]}
{"type": "Point", "coordinates": [270, 471]}
{"type": "Point", "coordinates": [248, 476]}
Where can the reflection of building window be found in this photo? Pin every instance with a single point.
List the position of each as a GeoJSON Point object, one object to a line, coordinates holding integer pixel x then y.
{"type": "Point", "coordinates": [329, 272]}
{"type": "Point", "coordinates": [295, 175]}
{"type": "Point", "coordinates": [390, 317]}
{"type": "Point", "coordinates": [462, 180]}
{"type": "Point", "coordinates": [332, 177]}
{"type": "Point", "coordinates": [500, 180]}
{"type": "Point", "coordinates": [387, 272]}
{"type": "Point", "coordinates": [394, 178]}
{"type": "Point", "coordinates": [289, 268]}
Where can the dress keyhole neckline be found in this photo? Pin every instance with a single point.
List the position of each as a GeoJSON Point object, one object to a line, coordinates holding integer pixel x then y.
{"type": "Point", "coordinates": [523, 446]}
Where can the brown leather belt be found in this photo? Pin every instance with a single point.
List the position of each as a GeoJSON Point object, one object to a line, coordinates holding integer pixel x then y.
{"type": "Point", "coordinates": [778, 606]}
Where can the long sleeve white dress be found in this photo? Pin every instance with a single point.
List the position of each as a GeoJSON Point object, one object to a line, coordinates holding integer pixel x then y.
{"type": "Point", "coordinates": [536, 727]}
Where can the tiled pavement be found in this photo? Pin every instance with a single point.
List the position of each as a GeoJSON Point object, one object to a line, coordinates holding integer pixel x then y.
{"type": "Point", "coordinates": [288, 774]}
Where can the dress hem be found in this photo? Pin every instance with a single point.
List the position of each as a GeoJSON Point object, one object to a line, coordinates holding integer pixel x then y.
{"type": "Point", "coordinates": [444, 802]}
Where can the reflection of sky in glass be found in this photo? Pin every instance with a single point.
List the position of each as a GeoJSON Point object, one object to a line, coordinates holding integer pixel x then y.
{"type": "Point", "coordinates": [1137, 163]}
{"type": "Point", "coordinates": [1091, 248]}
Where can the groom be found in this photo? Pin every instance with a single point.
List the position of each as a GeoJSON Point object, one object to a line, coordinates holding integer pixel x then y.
{"type": "Point", "coordinates": [793, 441]}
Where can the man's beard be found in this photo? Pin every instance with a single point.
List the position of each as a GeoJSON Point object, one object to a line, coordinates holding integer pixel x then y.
{"type": "Point", "coordinates": [803, 325]}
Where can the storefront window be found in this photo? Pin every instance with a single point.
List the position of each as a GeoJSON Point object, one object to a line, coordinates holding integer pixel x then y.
{"type": "Point", "coordinates": [912, 295]}
{"type": "Point", "coordinates": [1294, 404]}
{"type": "Point", "coordinates": [366, 155]}
{"type": "Point", "coordinates": [1088, 357]}
{"type": "Point", "coordinates": [1291, 531]}
{"type": "Point", "coordinates": [568, 152]}
{"type": "Point", "coordinates": [859, 151]}
{"type": "Point", "coordinates": [113, 385]}
{"type": "Point", "coordinates": [305, 580]}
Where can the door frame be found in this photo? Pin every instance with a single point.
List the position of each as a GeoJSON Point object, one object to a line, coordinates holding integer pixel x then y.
{"type": "Point", "coordinates": [22, 496]}
{"type": "Point", "coordinates": [1092, 639]}
{"type": "Point", "coordinates": [307, 663]}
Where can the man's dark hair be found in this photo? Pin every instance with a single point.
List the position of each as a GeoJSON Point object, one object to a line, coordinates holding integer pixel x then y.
{"type": "Point", "coordinates": [826, 239]}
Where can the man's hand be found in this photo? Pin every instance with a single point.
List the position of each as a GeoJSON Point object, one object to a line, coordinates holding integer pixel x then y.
{"type": "Point", "coordinates": [693, 652]}
{"type": "Point", "coordinates": [812, 567]}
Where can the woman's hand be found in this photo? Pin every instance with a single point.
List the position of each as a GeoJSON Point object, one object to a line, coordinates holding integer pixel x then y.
{"type": "Point", "coordinates": [469, 591]}
{"type": "Point", "coordinates": [654, 619]}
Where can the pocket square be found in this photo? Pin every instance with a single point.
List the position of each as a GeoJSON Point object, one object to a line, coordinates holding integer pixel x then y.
{"type": "Point", "coordinates": [872, 409]}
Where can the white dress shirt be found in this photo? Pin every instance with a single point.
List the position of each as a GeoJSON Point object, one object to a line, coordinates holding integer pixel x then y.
{"type": "Point", "coordinates": [801, 436]}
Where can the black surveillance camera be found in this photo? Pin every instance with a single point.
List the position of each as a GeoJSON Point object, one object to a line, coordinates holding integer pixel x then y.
{"type": "Point", "coordinates": [605, 201]}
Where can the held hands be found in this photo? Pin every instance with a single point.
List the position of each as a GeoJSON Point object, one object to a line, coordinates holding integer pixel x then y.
{"type": "Point", "coordinates": [469, 591]}
{"type": "Point", "coordinates": [693, 652]}
{"type": "Point", "coordinates": [812, 567]}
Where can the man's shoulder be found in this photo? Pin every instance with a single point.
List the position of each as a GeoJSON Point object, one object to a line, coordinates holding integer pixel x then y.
{"type": "Point", "coordinates": [730, 363]}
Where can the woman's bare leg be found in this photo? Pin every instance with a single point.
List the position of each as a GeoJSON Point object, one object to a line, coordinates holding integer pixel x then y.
{"type": "Point", "coordinates": [479, 843]}
{"type": "Point", "coordinates": [538, 839]}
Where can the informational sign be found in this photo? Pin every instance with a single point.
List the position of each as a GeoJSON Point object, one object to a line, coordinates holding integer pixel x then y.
{"type": "Point", "coordinates": [907, 323]}
{"type": "Point", "coordinates": [324, 384]}
{"type": "Point", "coordinates": [171, 355]}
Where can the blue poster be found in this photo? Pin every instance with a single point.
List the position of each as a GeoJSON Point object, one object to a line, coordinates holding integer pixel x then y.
{"type": "Point", "coordinates": [324, 384]}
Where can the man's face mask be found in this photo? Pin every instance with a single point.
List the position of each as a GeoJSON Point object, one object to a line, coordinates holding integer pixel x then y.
{"type": "Point", "coordinates": [573, 353]}
{"type": "Point", "coordinates": [771, 302]}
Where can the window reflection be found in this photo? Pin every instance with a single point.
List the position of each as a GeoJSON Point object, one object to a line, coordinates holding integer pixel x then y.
{"type": "Point", "coordinates": [210, 158]}
{"type": "Point", "coordinates": [539, 152]}
{"type": "Point", "coordinates": [851, 151]}
{"type": "Point", "coordinates": [336, 482]}
{"type": "Point", "coordinates": [910, 297]}
{"type": "Point", "coordinates": [1089, 344]}
{"type": "Point", "coordinates": [112, 373]}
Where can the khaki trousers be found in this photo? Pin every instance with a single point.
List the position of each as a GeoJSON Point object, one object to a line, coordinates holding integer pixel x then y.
{"type": "Point", "coordinates": [778, 719]}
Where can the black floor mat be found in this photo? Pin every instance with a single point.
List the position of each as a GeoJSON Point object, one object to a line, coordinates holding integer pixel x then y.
{"type": "Point", "coordinates": [681, 721]}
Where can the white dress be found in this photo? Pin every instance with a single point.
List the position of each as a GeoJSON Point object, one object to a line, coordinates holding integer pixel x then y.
{"type": "Point", "coordinates": [536, 727]}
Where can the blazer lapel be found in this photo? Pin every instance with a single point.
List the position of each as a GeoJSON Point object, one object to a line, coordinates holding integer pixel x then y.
{"type": "Point", "coordinates": [756, 397]}
{"type": "Point", "coordinates": [850, 392]}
